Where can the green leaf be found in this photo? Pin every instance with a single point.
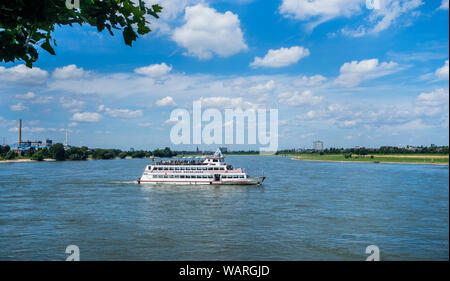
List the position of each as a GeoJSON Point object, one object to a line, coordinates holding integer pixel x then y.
{"type": "Point", "coordinates": [46, 46]}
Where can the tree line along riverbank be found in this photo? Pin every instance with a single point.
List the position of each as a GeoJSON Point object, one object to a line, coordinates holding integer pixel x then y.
{"type": "Point", "coordinates": [422, 155]}
{"type": "Point", "coordinates": [58, 152]}
{"type": "Point", "coordinates": [441, 159]}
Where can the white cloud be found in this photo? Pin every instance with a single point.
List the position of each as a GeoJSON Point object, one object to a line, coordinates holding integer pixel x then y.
{"type": "Point", "coordinates": [28, 129]}
{"type": "Point", "coordinates": [167, 101]}
{"type": "Point", "coordinates": [145, 124]}
{"type": "Point", "coordinates": [27, 96]}
{"type": "Point", "coordinates": [69, 72]}
{"type": "Point", "coordinates": [442, 73]}
{"type": "Point", "coordinates": [18, 107]}
{"type": "Point", "coordinates": [353, 73]}
{"type": "Point", "coordinates": [86, 117]}
{"type": "Point", "coordinates": [281, 57]}
{"type": "Point", "coordinates": [24, 75]}
{"type": "Point", "coordinates": [71, 104]}
{"type": "Point", "coordinates": [305, 98]}
{"type": "Point", "coordinates": [172, 11]}
{"type": "Point", "coordinates": [33, 98]}
{"type": "Point", "coordinates": [154, 70]}
{"type": "Point", "coordinates": [42, 100]}
{"type": "Point", "coordinates": [359, 32]}
{"type": "Point", "coordinates": [72, 124]}
{"type": "Point", "coordinates": [319, 10]}
{"type": "Point", "coordinates": [309, 81]}
{"type": "Point", "coordinates": [227, 103]}
{"type": "Point", "coordinates": [444, 5]}
{"type": "Point", "coordinates": [390, 11]}
{"type": "Point", "coordinates": [207, 32]}
{"type": "Point", "coordinates": [435, 98]}
{"type": "Point", "coordinates": [121, 113]}
{"type": "Point", "coordinates": [262, 88]}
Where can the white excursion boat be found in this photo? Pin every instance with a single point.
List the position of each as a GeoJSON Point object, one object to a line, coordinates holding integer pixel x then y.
{"type": "Point", "coordinates": [212, 170]}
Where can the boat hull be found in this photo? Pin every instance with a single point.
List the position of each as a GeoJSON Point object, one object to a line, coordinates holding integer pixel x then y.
{"type": "Point", "coordinates": [248, 181]}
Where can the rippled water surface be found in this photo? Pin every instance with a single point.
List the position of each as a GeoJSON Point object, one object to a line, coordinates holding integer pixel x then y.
{"type": "Point", "coordinates": [304, 211]}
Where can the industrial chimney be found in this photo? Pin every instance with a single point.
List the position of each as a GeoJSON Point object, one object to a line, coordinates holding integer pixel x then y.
{"type": "Point", "coordinates": [20, 133]}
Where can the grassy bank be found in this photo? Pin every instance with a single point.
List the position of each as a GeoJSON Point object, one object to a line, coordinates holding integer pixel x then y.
{"type": "Point", "coordinates": [381, 158]}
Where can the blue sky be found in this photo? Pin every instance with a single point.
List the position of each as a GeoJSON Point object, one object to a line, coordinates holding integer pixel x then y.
{"type": "Point", "coordinates": [336, 70]}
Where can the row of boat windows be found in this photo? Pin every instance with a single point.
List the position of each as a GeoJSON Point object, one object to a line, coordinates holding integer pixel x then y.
{"type": "Point", "coordinates": [196, 176]}
{"type": "Point", "coordinates": [188, 168]}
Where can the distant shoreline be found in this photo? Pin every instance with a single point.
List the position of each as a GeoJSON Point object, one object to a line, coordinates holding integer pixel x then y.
{"type": "Point", "coordinates": [292, 157]}
{"type": "Point", "coordinates": [26, 160]}
{"type": "Point", "coordinates": [369, 162]}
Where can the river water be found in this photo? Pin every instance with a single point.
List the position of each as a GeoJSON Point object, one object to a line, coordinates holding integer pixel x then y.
{"type": "Point", "coordinates": [304, 211]}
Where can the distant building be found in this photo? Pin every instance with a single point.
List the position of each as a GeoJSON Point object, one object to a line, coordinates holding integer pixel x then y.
{"type": "Point", "coordinates": [318, 145]}
{"type": "Point", "coordinates": [131, 149]}
{"type": "Point", "coordinates": [433, 145]}
{"type": "Point", "coordinates": [26, 145]}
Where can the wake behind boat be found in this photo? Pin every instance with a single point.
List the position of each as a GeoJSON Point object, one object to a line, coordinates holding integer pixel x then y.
{"type": "Point", "coordinates": [212, 170]}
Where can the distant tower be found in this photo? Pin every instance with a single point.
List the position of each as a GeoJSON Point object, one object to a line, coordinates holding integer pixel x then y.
{"type": "Point", "coordinates": [66, 144]}
{"type": "Point", "coordinates": [19, 141]}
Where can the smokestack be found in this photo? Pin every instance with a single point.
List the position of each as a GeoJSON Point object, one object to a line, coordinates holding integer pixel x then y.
{"type": "Point", "coordinates": [20, 133]}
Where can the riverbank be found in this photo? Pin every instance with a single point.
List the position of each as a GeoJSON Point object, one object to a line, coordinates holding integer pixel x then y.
{"type": "Point", "coordinates": [428, 159]}
{"type": "Point", "coordinates": [26, 160]}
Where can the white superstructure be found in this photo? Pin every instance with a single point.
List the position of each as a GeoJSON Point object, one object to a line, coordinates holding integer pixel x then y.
{"type": "Point", "coordinates": [212, 170]}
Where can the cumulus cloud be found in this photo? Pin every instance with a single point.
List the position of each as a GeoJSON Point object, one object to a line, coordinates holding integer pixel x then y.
{"type": "Point", "coordinates": [172, 11]}
{"type": "Point", "coordinates": [434, 98]}
{"type": "Point", "coordinates": [227, 103]}
{"type": "Point", "coordinates": [121, 113]}
{"type": "Point", "coordinates": [27, 96]}
{"type": "Point", "coordinates": [154, 70]}
{"type": "Point", "coordinates": [353, 73]}
{"type": "Point", "coordinates": [33, 98]}
{"type": "Point", "coordinates": [24, 75]}
{"type": "Point", "coordinates": [71, 104]}
{"type": "Point", "coordinates": [86, 117]}
{"type": "Point", "coordinates": [207, 32]}
{"type": "Point", "coordinates": [167, 101]}
{"type": "Point", "coordinates": [262, 88]}
{"type": "Point", "coordinates": [309, 81]}
{"type": "Point", "coordinates": [69, 72]}
{"type": "Point", "coordinates": [442, 72]}
{"type": "Point", "coordinates": [18, 107]}
{"type": "Point", "coordinates": [295, 99]}
{"type": "Point", "coordinates": [281, 57]}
